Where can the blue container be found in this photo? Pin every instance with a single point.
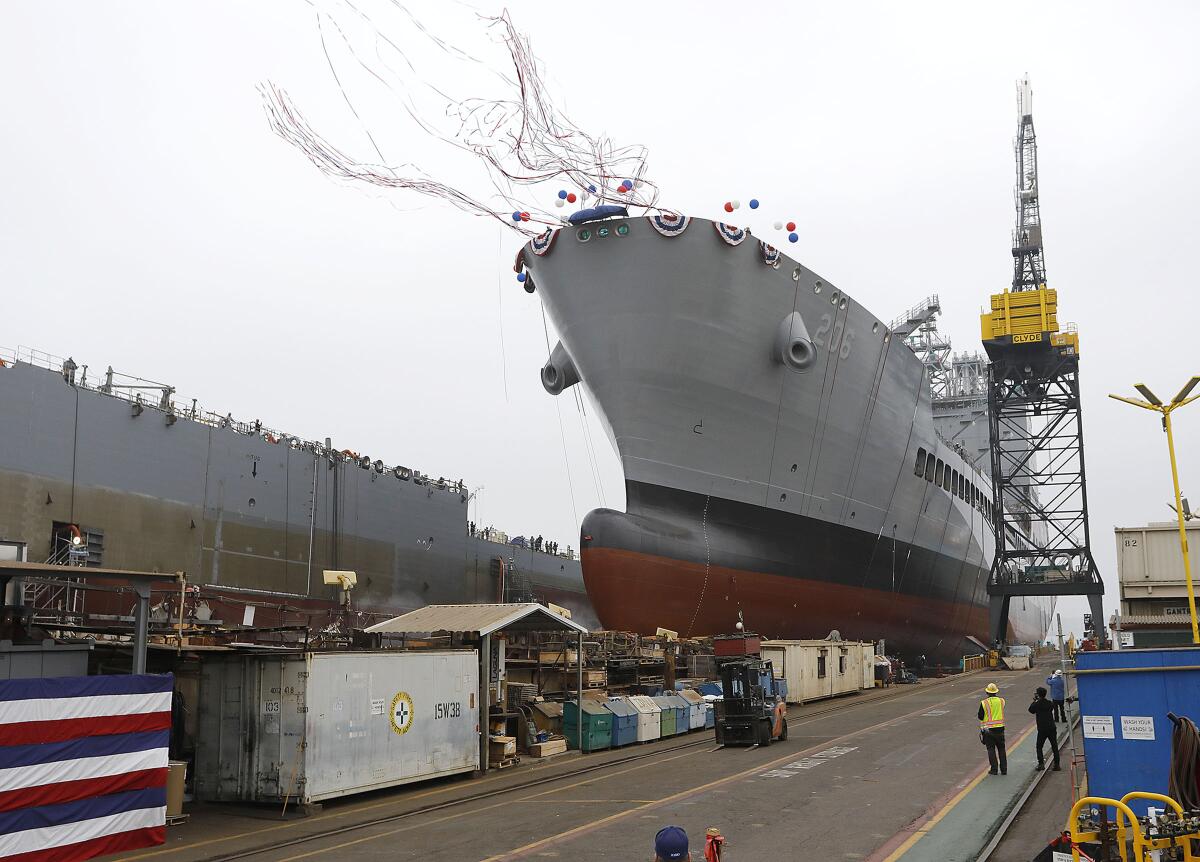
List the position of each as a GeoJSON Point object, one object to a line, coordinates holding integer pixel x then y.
{"type": "Point", "coordinates": [625, 718]}
{"type": "Point", "coordinates": [1125, 729]}
{"type": "Point", "coordinates": [683, 711]}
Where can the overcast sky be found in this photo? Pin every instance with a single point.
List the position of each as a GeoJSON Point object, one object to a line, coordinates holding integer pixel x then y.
{"type": "Point", "coordinates": [153, 222]}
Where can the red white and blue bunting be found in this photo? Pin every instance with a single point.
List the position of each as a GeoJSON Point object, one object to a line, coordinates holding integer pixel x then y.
{"type": "Point", "coordinates": [669, 224]}
{"type": "Point", "coordinates": [770, 253]}
{"type": "Point", "coordinates": [542, 243]}
{"type": "Point", "coordinates": [729, 233]}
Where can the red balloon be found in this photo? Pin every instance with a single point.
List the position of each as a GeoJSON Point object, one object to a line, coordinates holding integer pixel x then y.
{"type": "Point", "coordinates": [728, 207]}
{"type": "Point", "coordinates": [524, 216]}
{"type": "Point", "coordinates": [571, 198]}
{"type": "Point", "coordinates": [791, 225]}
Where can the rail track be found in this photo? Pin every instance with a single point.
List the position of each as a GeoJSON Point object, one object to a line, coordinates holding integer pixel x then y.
{"type": "Point", "coordinates": [537, 781]}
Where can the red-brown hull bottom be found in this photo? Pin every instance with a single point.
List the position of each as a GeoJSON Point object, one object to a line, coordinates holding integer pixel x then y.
{"type": "Point", "coordinates": [639, 592]}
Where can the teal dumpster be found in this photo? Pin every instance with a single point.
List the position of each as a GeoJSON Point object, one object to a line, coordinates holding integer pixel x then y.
{"type": "Point", "coordinates": [667, 716]}
{"type": "Point", "coordinates": [597, 725]}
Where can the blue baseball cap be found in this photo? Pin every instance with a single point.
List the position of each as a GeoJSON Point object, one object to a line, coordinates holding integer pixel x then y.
{"type": "Point", "coordinates": [671, 842]}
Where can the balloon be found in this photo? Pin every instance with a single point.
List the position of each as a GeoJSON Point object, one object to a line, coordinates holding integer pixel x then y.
{"type": "Point", "coordinates": [753, 203]}
{"type": "Point", "coordinates": [560, 202]}
{"type": "Point", "coordinates": [728, 207]}
{"type": "Point", "coordinates": [791, 225]}
{"type": "Point", "coordinates": [592, 189]}
{"type": "Point", "coordinates": [629, 183]}
{"type": "Point", "coordinates": [521, 276]}
{"type": "Point", "coordinates": [524, 216]}
{"type": "Point", "coordinates": [516, 216]}
{"type": "Point", "coordinates": [778, 225]}
{"type": "Point", "coordinates": [571, 198]}
{"type": "Point", "coordinates": [737, 204]}
{"type": "Point", "coordinates": [562, 194]}
{"type": "Point", "coordinates": [793, 237]}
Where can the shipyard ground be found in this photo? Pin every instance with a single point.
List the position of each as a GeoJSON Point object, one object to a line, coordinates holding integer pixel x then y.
{"type": "Point", "coordinates": [891, 774]}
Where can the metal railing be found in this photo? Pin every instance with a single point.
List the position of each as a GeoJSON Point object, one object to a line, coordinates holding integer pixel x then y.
{"type": "Point", "coordinates": [134, 390]}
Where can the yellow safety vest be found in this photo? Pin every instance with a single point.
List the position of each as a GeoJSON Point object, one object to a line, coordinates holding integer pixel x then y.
{"type": "Point", "coordinates": [993, 712]}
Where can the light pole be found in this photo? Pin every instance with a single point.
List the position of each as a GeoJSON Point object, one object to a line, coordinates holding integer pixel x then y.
{"type": "Point", "coordinates": [475, 496]}
{"type": "Point", "coordinates": [1153, 402]}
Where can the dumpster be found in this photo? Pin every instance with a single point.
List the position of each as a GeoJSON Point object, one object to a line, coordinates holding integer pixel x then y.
{"type": "Point", "coordinates": [696, 708]}
{"type": "Point", "coordinates": [667, 715]}
{"type": "Point", "coordinates": [624, 722]}
{"type": "Point", "coordinates": [1124, 698]}
{"type": "Point", "coordinates": [683, 712]}
{"type": "Point", "coordinates": [649, 717]}
{"type": "Point", "coordinates": [597, 725]}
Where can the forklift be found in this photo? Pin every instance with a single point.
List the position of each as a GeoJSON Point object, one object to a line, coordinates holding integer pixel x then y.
{"type": "Point", "coordinates": [749, 713]}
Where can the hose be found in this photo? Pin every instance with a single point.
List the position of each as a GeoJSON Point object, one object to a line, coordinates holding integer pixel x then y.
{"type": "Point", "coordinates": [1185, 764]}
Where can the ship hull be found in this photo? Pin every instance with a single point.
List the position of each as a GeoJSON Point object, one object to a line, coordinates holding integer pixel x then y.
{"type": "Point", "coordinates": [697, 564]}
{"type": "Point", "coordinates": [771, 429]}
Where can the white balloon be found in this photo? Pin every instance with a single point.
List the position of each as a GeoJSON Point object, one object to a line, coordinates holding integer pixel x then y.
{"type": "Point", "coordinates": [737, 204]}
{"type": "Point", "coordinates": [558, 202]}
{"type": "Point", "coordinates": [778, 225]}
{"type": "Point", "coordinates": [739, 625]}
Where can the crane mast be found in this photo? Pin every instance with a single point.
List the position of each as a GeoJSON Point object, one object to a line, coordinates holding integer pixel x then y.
{"type": "Point", "coordinates": [1039, 485]}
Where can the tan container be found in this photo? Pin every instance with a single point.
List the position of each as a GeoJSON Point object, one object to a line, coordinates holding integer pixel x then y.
{"type": "Point", "coordinates": [176, 775]}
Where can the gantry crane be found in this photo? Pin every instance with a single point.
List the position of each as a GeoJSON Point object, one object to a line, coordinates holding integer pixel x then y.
{"type": "Point", "coordinates": [1043, 545]}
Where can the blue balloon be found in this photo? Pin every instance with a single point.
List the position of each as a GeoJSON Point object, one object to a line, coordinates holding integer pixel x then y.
{"type": "Point", "coordinates": [562, 193]}
{"type": "Point", "coordinates": [520, 276]}
{"type": "Point", "coordinates": [592, 189]}
{"type": "Point", "coordinates": [753, 203]}
{"type": "Point", "coordinates": [629, 183]}
{"type": "Point", "coordinates": [516, 216]}
{"type": "Point", "coordinates": [793, 237]}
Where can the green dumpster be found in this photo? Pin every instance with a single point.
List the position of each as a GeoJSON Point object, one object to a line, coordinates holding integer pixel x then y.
{"type": "Point", "coordinates": [597, 725]}
{"type": "Point", "coordinates": [668, 716]}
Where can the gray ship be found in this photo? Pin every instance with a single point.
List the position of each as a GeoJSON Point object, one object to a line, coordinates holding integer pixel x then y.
{"type": "Point", "coordinates": [783, 461]}
{"type": "Point", "coordinates": [119, 472]}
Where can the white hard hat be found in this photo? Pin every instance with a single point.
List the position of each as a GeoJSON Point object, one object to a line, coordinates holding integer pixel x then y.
{"type": "Point", "coordinates": [1058, 673]}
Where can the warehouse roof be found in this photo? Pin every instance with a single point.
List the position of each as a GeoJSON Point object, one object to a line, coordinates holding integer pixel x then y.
{"type": "Point", "coordinates": [477, 619]}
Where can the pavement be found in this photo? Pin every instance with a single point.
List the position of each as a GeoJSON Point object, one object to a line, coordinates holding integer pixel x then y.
{"type": "Point", "coordinates": [872, 777]}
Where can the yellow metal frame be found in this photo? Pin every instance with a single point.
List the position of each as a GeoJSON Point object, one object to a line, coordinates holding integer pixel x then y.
{"type": "Point", "coordinates": [1184, 841]}
{"type": "Point", "coordinates": [1157, 406]}
{"type": "Point", "coordinates": [1123, 812]}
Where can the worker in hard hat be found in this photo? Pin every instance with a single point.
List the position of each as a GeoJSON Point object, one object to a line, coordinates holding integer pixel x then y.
{"type": "Point", "coordinates": [1058, 694]}
{"type": "Point", "coordinates": [991, 729]}
{"type": "Point", "coordinates": [671, 844]}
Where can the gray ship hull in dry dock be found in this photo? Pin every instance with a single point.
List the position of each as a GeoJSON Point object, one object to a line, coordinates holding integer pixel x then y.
{"type": "Point", "coordinates": [781, 459]}
{"type": "Point", "coordinates": [245, 511]}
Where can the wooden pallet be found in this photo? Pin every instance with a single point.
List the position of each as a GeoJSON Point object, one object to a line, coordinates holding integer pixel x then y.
{"type": "Point", "coordinates": [176, 819]}
{"type": "Point", "coordinates": [506, 763]}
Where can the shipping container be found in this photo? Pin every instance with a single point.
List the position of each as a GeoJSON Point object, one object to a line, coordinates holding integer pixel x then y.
{"type": "Point", "coordinates": [313, 726]}
{"type": "Point", "coordinates": [1150, 561]}
{"type": "Point", "coordinates": [815, 669]}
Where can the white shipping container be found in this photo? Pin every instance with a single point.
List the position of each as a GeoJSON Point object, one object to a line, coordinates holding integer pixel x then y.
{"type": "Point", "coordinates": [1150, 560]}
{"type": "Point", "coordinates": [815, 669]}
{"type": "Point", "coordinates": [315, 726]}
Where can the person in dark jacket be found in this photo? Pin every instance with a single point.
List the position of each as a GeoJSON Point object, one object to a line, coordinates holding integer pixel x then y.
{"type": "Point", "coordinates": [1043, 710]}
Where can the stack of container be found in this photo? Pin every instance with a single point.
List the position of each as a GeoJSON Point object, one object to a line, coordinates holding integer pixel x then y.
{"type": "Point", "coordinates": [624, 722]}
{"type": "Point", "coordinates": [597, 725]}
{"type": "Point", "coordinates": [649, 717]}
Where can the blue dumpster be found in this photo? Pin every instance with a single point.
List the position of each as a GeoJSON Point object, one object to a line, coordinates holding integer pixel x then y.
{"type": "Point", "coordinates": [625, 721]}
{"type": "Point", "coordinates": [1124, 698]}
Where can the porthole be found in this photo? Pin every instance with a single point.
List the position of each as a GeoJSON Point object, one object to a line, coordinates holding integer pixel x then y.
{"type": "Point", "coordinates": [874, 327]}
{"type": "Point", "coordinates": [583, 234]}
{"type": "Point", "coordinates": [622, 230]}
{"type": "Point", "coordinates": [796, 274]}
{"type": "Point", "coordinates": [793, 468]}
{"type": "Point", "coordinates": [602, 232]}
{"type": "Point", "coordinates": [783, 498]}
{"type": "Point", "coordinates": [817, 287]}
